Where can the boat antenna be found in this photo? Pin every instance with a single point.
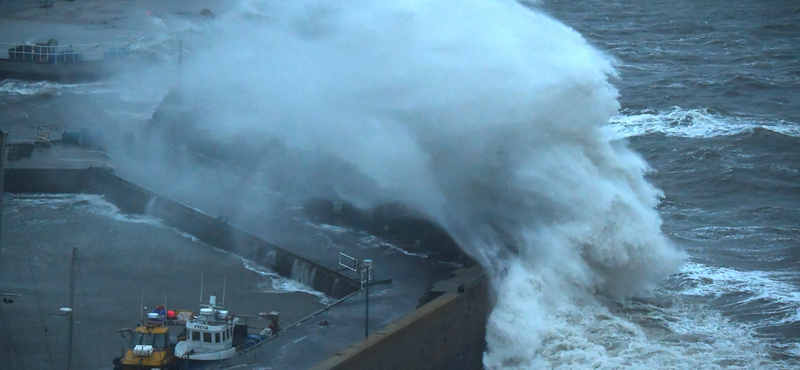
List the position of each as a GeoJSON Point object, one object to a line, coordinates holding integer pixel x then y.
{"type": "Point", "coordinates": [224, 283]}
{"type": "Point", "coordinates": [141, 306]}
{"type": "Point", "coordinates": [201, 287]}
{"type": "Point", "coordinates": [164, 319]}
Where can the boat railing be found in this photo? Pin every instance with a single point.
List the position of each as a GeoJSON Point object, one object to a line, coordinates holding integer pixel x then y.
{"type": "Point", "coordinates": [53, 53]}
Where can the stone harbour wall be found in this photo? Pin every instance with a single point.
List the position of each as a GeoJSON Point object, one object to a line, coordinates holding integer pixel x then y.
{"type": "Point", "coordinates": [446, 333]}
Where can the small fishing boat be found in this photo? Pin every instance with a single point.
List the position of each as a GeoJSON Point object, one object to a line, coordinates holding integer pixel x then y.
{"type": "Point", "coordinates": [215, 334]}
{"type": "Point", "coordinates": [209, 335]}
{"type": "Point", "coordinates": [150, 346]}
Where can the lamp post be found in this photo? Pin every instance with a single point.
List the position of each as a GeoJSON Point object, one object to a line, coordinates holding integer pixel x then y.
{"type": "Point", "coordinates": [68, 312]}
{"type": "Point", "coordinates": [366, 265]}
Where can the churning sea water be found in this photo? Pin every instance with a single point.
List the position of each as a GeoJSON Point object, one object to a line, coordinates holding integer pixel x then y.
{"type": "Point", "coordinates": [710, 96]}
{"type": "Point", "coordinates": [627, 171]}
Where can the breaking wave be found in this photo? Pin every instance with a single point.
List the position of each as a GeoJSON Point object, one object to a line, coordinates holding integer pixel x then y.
{"type": "Point", "coordinates": [489, 117]}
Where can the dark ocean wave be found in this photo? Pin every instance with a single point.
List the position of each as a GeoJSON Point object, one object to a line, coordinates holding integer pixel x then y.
{"type": "Point", "coordinates": [746, 82]}
{"type": "Point", "coordinates": [683, 27]}
{"type": "Point", "coordinates": [733, 56]}
{"type": "Point", "coordinates": [778, 29]}
{"type": "Point", "coordinates": [761, 164]}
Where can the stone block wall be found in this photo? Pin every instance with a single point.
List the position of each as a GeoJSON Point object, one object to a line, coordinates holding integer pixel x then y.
{"type": "Point", "coordinates": [447, 333]}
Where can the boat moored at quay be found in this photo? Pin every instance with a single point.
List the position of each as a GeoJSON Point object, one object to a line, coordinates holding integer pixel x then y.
{"type": "Point", "coordinates": [216, 334]}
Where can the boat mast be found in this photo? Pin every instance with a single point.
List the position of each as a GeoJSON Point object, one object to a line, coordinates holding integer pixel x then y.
{"type": "Point", "coordinates": [201, 287]}
{"type": "Point", "coordinates": [224, 283]}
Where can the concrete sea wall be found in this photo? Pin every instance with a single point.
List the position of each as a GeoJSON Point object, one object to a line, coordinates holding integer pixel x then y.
{"type": "Point", "coordinates": [446, 333]}
{"type": "Point", "coordinates": [62, 72]}
{"type": "Point", "coordinates": [48, 181]}
{"type": "Point", "coordinates": [130, 198]}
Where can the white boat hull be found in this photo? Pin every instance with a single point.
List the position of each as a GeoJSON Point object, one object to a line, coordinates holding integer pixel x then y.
{"type": "Point", "coordinates": [182, 351]}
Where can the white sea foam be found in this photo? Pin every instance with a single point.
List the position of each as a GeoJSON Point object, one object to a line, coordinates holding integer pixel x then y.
{"type": "Point", "coordinates": [332, 228]}
{"type": "Point", "coordinates": [191, 237]}
{"type": "Point", "coordinates": [275, 283]}
{"type": "Point", "coordinates": [93, 203]}
{"type": "Point", "coordinates": [593, 338]}
{"type": "Point", "coordinates": [19, 87]}
{"type": "Point", "coordinates": [694, 123]}
{"type": "Point", "coordinates": [582, 333]}
{"type": "Point", "coordinates": [775, 296]}
{"type": "Point", "coordinates": [98, 205]}
{"type": "Point", "coordinates": [52, 201]}
{"type": "Point", "coordinates": [365, 240]}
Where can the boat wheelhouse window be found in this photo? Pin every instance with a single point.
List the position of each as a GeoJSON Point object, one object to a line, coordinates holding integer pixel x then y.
{"type": "Point", "coordinates": [136, 339]}
{"type": "Point", "coordinates": [216, 338]}
{"type": "Point", "coordinates": [141, 338]}
{"type": "Point", "coordinates": [206, 337]}
{"type": "Point", "coordinates": [147, 339]}
{"type": "Point", "coordinates": [195, 335]}
{"type": "Point", "coordinates": [160, 341]}
{"type": "Point", "coordinates": [224, 335]}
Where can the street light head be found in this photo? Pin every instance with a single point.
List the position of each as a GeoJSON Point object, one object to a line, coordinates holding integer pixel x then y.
{"type": "Point", "coordinates": [65, 310]}
{"type": "Point", "coordinates": [366, 263]}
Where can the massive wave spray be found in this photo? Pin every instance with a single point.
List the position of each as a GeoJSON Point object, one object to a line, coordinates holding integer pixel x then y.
{"type": "Point", "coordinates": [490, 118]}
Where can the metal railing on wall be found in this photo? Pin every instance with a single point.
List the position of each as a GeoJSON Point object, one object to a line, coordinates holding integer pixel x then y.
{"type": "Point", "coordinates": [347, 263]}
{"type": "Point", "coordinates": [52, 53]}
